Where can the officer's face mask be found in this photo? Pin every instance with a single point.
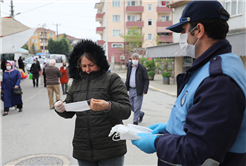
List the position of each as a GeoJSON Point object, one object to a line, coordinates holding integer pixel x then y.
{"type": "Point", "coordinates": [187, 49]}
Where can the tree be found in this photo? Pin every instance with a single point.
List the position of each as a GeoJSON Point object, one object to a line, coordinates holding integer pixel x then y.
{"type": "Point", "coordinates": [134, 40]}
{"type": "Point", "coordinates": [25, 47]}
{"type": "Point", "coordinates": [33, 49]}
{"type": "Point", "coordinates": [62, 46]}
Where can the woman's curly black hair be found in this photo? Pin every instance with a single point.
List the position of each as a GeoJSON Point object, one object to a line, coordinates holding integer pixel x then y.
{"type": "Point", "coordinates": [90, 50]}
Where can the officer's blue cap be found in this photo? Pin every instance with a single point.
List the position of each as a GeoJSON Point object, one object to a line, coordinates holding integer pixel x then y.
{"type": "Point", "coordinates": [199, 10]}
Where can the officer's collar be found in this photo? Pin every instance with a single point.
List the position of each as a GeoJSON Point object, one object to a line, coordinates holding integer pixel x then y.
{"type": "Point", "coordinates": [218, 48]}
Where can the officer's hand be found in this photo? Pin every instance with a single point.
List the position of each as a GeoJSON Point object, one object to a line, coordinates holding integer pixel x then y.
{"type": "Point", "coordinates": [147, 142]}
{"type": "Point", "coordinates": [158, 128]}
{"type": "Point", "coordinates": [59, 106]}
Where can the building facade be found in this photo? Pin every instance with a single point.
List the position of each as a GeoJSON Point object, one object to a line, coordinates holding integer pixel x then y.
{"type": "Point", "coordinates": [40, 39]}
{"type": "Point", "coordinates": [119, 16]}
{"type": "Point", "coordinates": [236, 35]}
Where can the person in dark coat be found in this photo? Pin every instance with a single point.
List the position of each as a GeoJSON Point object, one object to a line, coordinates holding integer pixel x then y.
{"type": "Point", "coordinates": [21, 64]}
{"type": "Point", "coordinates": [129, 62]}
{"type": "Point", "coordinates": [109, 105]}
{"type": "Point", "coordinates": [35, 68]}
{"type": "Point", "coordinates": [45, 65]}
{"type": "Point", "coordinates": [11, 80]}
{"type": "Point", "coordinates": [137, 83]}
{"type": "Point", "coordinates": [3, 64]}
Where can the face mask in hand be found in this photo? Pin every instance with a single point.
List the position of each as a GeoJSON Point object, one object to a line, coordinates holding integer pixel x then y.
{"type": "Point", "coordinates": [8, 67]}
{"type": "Point", "coordinates": [135, 62]}
{"type": "Point", "coordinates": [187, 49]}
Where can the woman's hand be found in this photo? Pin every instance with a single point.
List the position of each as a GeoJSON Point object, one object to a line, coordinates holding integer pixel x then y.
{"type": "Point", "coordinates": [99, 105]}
{"type": "Point", "coordinates": [16, 87]}
{"type": "Point", "coordinates": [59, 106]}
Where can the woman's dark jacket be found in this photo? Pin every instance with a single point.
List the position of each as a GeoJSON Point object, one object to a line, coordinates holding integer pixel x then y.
{"type": "Point", "coordinates": [35, 68]}
{"type": "Point", "coordinates": [91, 141]}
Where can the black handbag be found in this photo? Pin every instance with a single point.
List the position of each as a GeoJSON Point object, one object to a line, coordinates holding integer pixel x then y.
{"type": "Point", "coordinates": [17, 91]}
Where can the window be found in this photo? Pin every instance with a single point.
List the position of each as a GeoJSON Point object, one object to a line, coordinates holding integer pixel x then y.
{"type": "Point", "coordinates": [35, 34]}
{"type": "Point", "coordinates": [150, 22]}
{"type": "Point", "coordinates": [116, 18]}
{"type": "Point", "coordinates": [34, 40]}
{"type": "Point", "coordinates": [116, 32]}
{"type": "Point", "coordinates": [164, 18]}
{"type": "Point", "coordinates": [234, 7]}
{"type": "Point", "coordinates": [150, 7]}
{"type": "Point", "coordinates": [117, 45]}
{"type": "Point", "coordinates": [150, 36]}
{"type": "Point", "coordinates": [163, 3]}
{"type": "Point", "coordinates": [131, 18]}
{"type": "Point", "coordinates": [131, 3]}
{"type": "Point", "coordinates": [51, 34]}
{"type": "Point", "coordinates": [115, 3]}
{"type": "Point", "coordinates": [35, 48]}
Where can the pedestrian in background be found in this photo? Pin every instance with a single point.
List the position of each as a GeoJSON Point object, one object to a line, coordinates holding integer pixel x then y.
{"type": "Point", "coordinates": [207, 125]}
{"type": "Point", "coordinates": [109, 105]}
{"type": "Point", "coordinates": [137, 83]}
{"type": "Point", "coordinates": [129, 62]}
{"type": "Point", "coordinates": [64, 79]}
{"type": "Point", "coordinates": [52, 82]}
{"type": "Point", "coordinates": [11, 80]}
{"type": "Point", "coordinates": [21, 64]}
{"type": "Point", "coordinates": [35, 68]}
{"type": "Point", "coordinates": [44, 75]}
{"type": "Point", "coordinates": [3, 64]}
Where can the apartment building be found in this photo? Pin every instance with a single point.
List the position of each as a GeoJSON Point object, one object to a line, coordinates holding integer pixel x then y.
{"type": "Point", "coordinates": [40, 39]}
{"type": "Point", "coordinates": [119, 16]}
{"type": "Point", "coordinates": [236, 35]}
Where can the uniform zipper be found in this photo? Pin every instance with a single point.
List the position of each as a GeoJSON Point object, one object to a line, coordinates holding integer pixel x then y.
{"type": "Point", "coordinates": [88, 119]}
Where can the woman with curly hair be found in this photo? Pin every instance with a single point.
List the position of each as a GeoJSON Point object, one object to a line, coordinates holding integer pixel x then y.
{"type": "Point", "coordinates": [109, 105]}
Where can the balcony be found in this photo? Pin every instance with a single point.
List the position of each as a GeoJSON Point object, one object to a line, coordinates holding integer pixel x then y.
{"type": "Point", "coordinates": [99, 30]}
{"type": "Point", "coordinates": [41, 36]}
{"type": "Point", "coordinates": [164, 23]}
{"type": "Point", "coordinates": [43, 44]}
{"type": "Point", "coordinates": [130, 24]}
{"type": "Point", "coordinates": [164, 39]}
{"type": "Point", "coordinates": [162, 9]}
{"type": "Point", "coordinates": [100, 42]}
{"type": "Point", "coordinates": [134, 9]}
{"type": "Point", "coordinates": [99, 17]}
{"type": "Point", "coordinates": [99, 5]}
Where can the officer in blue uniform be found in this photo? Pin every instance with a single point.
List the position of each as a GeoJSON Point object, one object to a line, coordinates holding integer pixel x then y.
{"type": "Point", "coordinates": [207, 125]}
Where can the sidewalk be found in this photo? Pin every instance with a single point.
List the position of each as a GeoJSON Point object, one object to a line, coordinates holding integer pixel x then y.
{"type": "Point", "coordinates": [156, 84]}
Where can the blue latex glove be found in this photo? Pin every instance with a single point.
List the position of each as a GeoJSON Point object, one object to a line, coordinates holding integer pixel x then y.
{"type": "Point", "coordinates": [147, 143]}
{"type": "Point", "coordinates": [158, 128]}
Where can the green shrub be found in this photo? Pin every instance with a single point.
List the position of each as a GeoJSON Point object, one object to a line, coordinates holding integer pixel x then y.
{"type": "Point", "coordinates": [151, 73]}
{"type": "Point", "coordinates": [171, 69]}
{"type": "Point", "coordinates": [166, 74]}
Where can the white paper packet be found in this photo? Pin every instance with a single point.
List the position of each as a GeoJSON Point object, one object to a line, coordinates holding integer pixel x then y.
{"type": "Point", "coordinates": [77, 106]}
{"type": "Point", "coordinates": [129, 132]}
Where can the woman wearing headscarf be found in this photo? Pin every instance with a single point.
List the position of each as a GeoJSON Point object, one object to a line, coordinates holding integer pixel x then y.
{"type": "Point", "coordinates": [109, 105]}
{"type": "Point", "coordinates": [21, 64]}
{"type": "Point", "coordinates": [64, 79]}
{"type": "Point", "coordinates": [11, 80]}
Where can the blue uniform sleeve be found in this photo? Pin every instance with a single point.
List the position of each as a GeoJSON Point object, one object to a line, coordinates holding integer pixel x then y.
{"type": "Point", "coordinates": [211, 126]}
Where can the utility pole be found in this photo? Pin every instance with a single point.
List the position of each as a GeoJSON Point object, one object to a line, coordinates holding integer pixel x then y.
{"type": "Point", "coordinates": [57, 31]}
{"type": "Point", "coordinates": [44, 25]}
{"type": "Point", "coordinates": [12, 9]}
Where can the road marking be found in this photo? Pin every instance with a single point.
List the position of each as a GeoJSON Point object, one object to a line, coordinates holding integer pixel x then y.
{"type": "Point", "coordinates": [33, 96]}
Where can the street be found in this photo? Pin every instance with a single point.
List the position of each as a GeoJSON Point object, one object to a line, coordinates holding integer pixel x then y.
{"type": "Point", "coordinates": [38, 130]}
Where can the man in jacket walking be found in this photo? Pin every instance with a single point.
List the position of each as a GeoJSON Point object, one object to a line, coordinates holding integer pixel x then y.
{"type": "Point", "coordinates": [137, 83]}
{"type": "Point", "coordinates": [35, 68]}
{"type": "Point", "coordinates": [52, 82]}
{"type": "Point", "coordinates": [207, 125]}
